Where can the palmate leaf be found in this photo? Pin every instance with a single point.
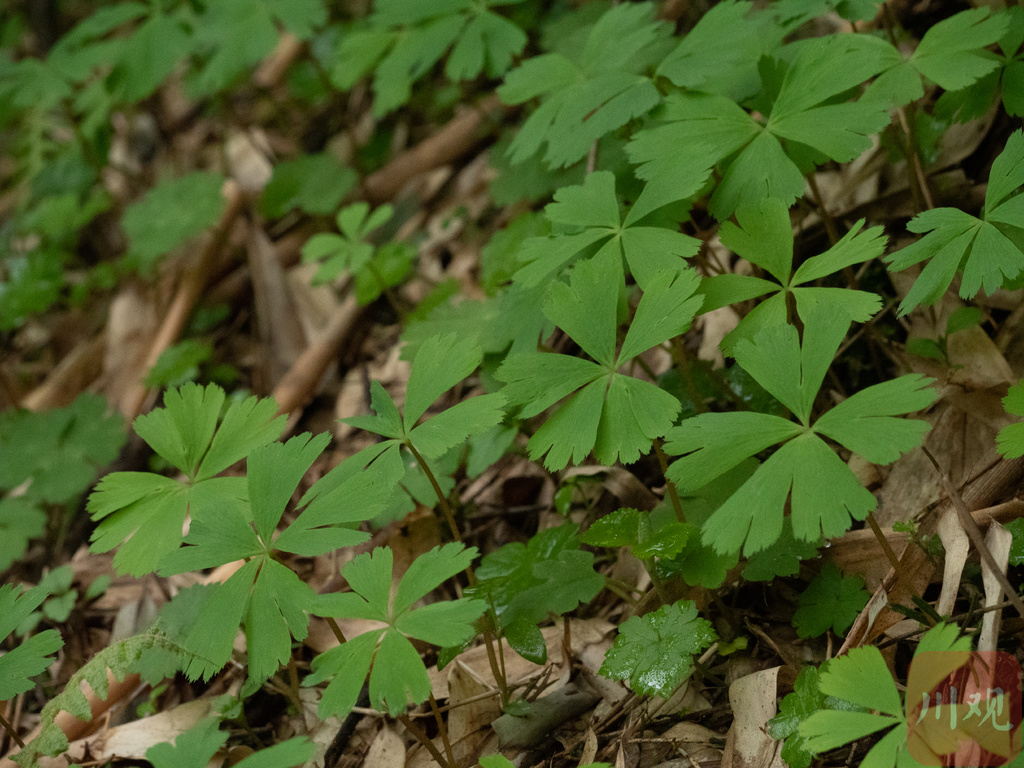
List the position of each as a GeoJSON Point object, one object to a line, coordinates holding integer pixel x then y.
{"type": "Point", "coordinates": [764, 237]}
{"type": "Point", "coordinates": [831, 601]}
{"type": "Point", "coordinates": [860, 681]}
{"type": "Point", "coordinates": [824, 493]}
{"type": "Point", "coordinates": [590, 215]}
{"type": "Point", "coordinates": [987, 251]}
{"type": "Point", "coordinates": [404, 40]}
{"type": "Point", "coordinates": [238, 33]}
{"type": "Point", "coordinates": [440, 363]}
{"type": "Point", "coordinates": [507, 574]}
{"type": "Point", "coordinates": [720, 54]}
{"type": "Point", "coordinates": [655, 651]}
{"type": "Point", "coordinates": [264, 594]}
{"type": "Point", "coordinates": [348, 251]}
{"type": "Point", "coordinates": [951, 54]}
{"type": "Point", "coordinates": [596, 91]}
{"type": "Point", "coordinates": [33, 655]}
{"type": "Point", "coordinates": [146, 512]}
{"type": "Point", "coordinates": [707, 128]}
{"type": "Point", "coordinates": [398, 674]}
{"type": "Point", "coordinates": [612, 414]}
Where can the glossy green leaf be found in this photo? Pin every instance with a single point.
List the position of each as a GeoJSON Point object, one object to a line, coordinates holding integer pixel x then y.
{"type": "Point", "coordinates": [655, 651]}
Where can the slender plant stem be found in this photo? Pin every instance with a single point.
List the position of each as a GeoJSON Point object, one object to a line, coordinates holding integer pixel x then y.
{"type": "Point", "coordinates": [446, 509]}
{"type": "Point", "coordinates": [974, 534]}
{"type": "Point", "coordinates": [887, 550]}
{"type": "Point", "coordinates": [826, 217]}
{"type": "Point", "coordinates": [679, 357]}
{"type": "Point", "coordinates": [423, 739]}
{"type": "Point", "coordinates": [11, 732]}
{"type": "Point", "coordinates": [333, 624]}
{"type": "Point", "coordinates": [442, 729]}
{"type": "Point", "coordinates": [442, 500]}
{"type": "Point", "coordinates": [670, 487]}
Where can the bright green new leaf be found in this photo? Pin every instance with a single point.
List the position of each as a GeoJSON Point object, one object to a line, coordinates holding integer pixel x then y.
{"type": "Point", "coordinates": [590, 215]}
{"type": "Point", "coordinates": [171, 213]}
{"type": "Point", "coordinates": [986, 251]}
{"type": "Point", "coordinates": [614, 415]}
{"type": "Point", "coordinates": [656, 651]}
{"type": "Point", "coordinates": [33, 655]}
{"type": "Point", "coordinates": [268, 596]}
{"type": "Point", "coordinates": [702, 129]}
{"type": "Point", "coordinates": [590, 92]}
{"type": "Point", "coordinates": [830, 601]}
{"type": "Point", "coordinates": [403, 41]}
{"type": "Point", "coordinates": [397, 673]}
{"type": "Point", "coordinates": [59, 451]}
{"type": "Point", "coordinates": [824, 493]}
{"type": "Point", "coordinates": [634, 528]}
{"type": "Point", "coordinates": [764, 237]}
{"type": "Point", "coordinates": [148, 510]}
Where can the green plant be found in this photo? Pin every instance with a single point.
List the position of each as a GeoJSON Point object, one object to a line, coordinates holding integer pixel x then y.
{"type": "Point", "coordinates": [579, 344]}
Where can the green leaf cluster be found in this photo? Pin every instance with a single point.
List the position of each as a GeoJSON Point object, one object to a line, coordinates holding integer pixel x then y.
{"type": "Point", "coordinates": [524, 583]}
{"type": "Point", "coordinates": [144, 512]}
{"type": "Point", "coordinates": [32, 655]}
{"type": "Point", "coordinates": [591, 91]}
{"type": "Point", "coordinates": [264, 594]}
{"type": "Point", "coordinates": [402, 40]}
